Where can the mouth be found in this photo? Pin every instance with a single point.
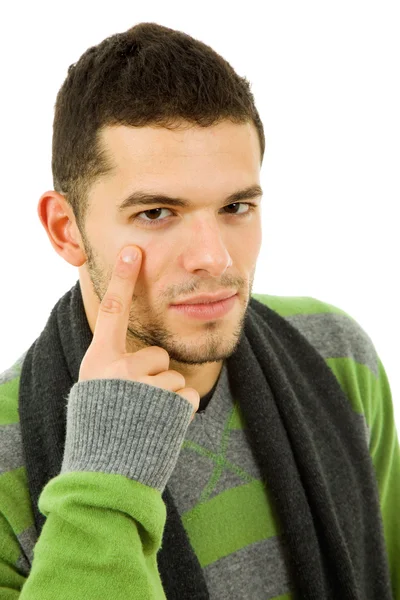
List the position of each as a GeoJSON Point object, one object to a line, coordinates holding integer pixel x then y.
{"type": "Point", "coordinates": [206, 298]}
{"type": "Point", "coordinates": [206, 311]}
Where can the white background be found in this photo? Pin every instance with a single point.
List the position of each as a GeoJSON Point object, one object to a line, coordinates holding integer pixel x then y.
{"type": "Point", "coordinates": [325, 76]}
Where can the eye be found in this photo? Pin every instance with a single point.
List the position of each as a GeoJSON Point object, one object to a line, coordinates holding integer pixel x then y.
{"type": "Point", "coordinates": [239, 204]}
{"type": "Point", "coordinates": [155, 212]}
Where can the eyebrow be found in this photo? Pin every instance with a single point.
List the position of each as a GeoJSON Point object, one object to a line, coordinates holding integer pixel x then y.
{"type": "Point", "coordinates": [140, 198]}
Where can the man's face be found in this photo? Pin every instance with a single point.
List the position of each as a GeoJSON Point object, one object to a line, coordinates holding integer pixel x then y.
{"type": "Point", "coordinates": [203, 248]}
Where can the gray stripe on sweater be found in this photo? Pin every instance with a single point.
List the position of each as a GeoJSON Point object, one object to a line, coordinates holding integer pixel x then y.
{"type": "Point", "coordinates": [337, 336]}
{"type": "Point", "coordinates": [27, 540]}
{"type": "Point", "coordinates": [11, 456]}
{"type": "Point", "coordinates": [22, 565]}
{"type": "Point", "coordinates": [263, 565]}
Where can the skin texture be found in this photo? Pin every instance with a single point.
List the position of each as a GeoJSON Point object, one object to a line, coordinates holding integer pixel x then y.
{"type": "Point", "coordinates": [200, 249]}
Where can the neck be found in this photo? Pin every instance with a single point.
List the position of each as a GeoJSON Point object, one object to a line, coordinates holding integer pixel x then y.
{"type": "Point", "coordinates": [202, 378]}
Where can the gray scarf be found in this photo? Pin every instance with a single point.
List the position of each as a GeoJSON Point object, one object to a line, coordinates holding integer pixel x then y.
{"type": "Point", "coordinates": [303, 434]}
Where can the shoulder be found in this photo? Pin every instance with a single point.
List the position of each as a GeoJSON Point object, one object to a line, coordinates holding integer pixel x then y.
{"type": "Point", "coordinates": [14, 371]}
{"type": "Point", "coordinates": [16, 516]}
{"type": "Point", "coordinates": [9, 387]}
{"type": "Point", "coordinates": [345, 346]}
{"type": "Point", "coordinates": [329, 328]}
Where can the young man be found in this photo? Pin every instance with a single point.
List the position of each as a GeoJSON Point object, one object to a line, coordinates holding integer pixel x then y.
{"type": "Point", "coordinates": [169, 434]}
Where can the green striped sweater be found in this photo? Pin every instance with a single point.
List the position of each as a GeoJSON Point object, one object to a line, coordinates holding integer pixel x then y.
{"type": "Point", "coordinates": [105, 513]}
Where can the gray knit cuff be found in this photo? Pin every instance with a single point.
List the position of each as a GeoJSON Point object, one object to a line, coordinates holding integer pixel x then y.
{"type": "Point", "coordinates": [125, 427]}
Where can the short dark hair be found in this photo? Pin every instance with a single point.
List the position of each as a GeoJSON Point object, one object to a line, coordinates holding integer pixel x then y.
{"type": "Point", "coordinates": [147, 75]}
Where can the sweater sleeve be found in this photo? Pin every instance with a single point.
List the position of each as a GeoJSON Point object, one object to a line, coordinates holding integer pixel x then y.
{"type": "Point", "coordinates": [385, 454]}
{"type": "Point", "coordinates": [105, 513]}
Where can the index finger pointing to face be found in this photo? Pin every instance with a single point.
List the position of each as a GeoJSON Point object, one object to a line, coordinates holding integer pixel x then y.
{"type": "Point", "coordinates": [113, 316]}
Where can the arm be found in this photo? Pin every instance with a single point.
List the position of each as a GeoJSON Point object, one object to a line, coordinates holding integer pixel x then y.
{"type": "Point", "coordinates": [385, 454]}
{"type": "Point", "coordinates": [105, 513]}
{"type": "Point", "coordinates": [11, 577]}
{"type": "Point", "coordinates": [100, 540]}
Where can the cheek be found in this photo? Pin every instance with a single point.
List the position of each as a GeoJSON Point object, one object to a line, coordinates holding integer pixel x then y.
{"type": "Point", "coordinates": [255, 240]}
{"type": "Point", "coordinates": [247, 246]}
{"type": "Point", "coordinates": [156, 265]}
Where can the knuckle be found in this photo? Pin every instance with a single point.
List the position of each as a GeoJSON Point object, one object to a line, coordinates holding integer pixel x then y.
{"type": "Point", "coordinates": [178, 376]}
{"type": "Point", "coordinates": [162, 353]}
{"type": "Point", "coordinates": [112, 304]}
{"type": "Point", "coordinates": [194, 396]}
{"type": "Point", "coordinates": [185, 393]}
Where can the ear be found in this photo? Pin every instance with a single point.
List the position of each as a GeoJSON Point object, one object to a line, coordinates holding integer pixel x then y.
{"type": "Point", "coordinates": [58, 219]}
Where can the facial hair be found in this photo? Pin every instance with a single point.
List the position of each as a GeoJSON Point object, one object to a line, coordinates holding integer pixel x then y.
{"type": "Point", "coordinates": [146, 327]}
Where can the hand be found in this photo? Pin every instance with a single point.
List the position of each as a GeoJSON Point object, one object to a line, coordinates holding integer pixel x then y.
{"type": "Point", "coordinates": [106, 357]}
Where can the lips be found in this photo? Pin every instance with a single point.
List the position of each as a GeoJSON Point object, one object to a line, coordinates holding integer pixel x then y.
{"type": "Point", "coordinates": [206, 298]}
{"type": "Point", "coordinates": [211, 311]}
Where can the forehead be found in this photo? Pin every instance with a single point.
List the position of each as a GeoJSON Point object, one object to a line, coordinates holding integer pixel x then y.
{"type": "Point", "coordinates": [189, 145]}
{"type": "Point", "coordinates": [204, 164]}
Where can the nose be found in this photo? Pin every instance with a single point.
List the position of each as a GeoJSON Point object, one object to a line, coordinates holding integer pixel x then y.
{"type": "Point", "coordinates": [205, 248]}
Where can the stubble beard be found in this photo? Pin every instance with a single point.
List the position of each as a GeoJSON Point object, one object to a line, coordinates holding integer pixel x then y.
{"type": "Point", "coordinates": [150, 331]}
